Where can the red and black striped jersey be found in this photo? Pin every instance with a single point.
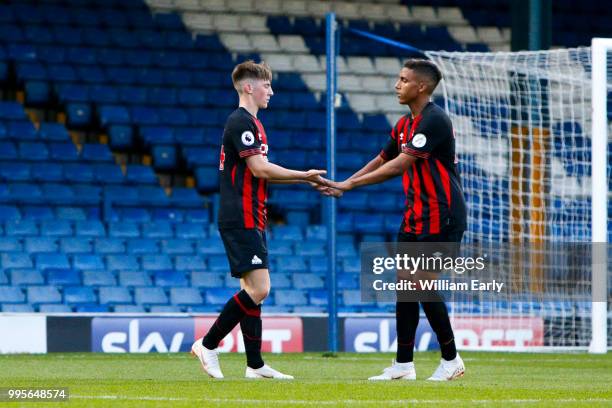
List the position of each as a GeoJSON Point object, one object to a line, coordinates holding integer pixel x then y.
{"type": "Point", "coordinates": [243, 196]}
{"type": "Point", "coordinates": [434, 197]}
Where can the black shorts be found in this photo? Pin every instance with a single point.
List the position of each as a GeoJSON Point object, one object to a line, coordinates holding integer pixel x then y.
{"type": "Point", "coordinates": [451, 235]}
{"type": "Point", "coordinates": [246, 250]}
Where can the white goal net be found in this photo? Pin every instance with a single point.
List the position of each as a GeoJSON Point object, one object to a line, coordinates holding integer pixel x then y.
{"type": "Point", "coordinates": [523, 128]}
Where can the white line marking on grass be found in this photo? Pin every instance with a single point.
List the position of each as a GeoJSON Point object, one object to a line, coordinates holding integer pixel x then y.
{"type": "Point", "coordinates": [334, 402]}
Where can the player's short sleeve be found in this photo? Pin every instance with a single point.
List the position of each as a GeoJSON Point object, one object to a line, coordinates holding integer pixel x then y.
{"type": "Point", "coordinates": [390, 150]}
{"type": "Point", "coordinates": [433, 130]}
{"type": "Point", "coordinates": [244, 136]}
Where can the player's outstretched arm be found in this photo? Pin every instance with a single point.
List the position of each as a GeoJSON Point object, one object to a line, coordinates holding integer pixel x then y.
{"type": "Point", "coordinates": [372, 165]}
{"type": "Point", "coordinates": [261, 168]}
{"type": "Point", "coordinates": [385, 172]}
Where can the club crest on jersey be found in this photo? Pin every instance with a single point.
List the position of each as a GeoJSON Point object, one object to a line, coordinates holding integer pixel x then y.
{"type": "Point", "coordinates": [247, 138]}
{"type": "Point", "coordinates": [264, 148]}
{"type": "Point", "coordinates": [419, 140]}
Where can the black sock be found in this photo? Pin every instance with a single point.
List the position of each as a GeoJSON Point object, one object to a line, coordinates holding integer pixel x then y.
{"type": "Point", "coordinates": [437, 314]}
{"type": "Point", "coordinates": [233, 311]}
{"type": "Point", "coordinates": [406, 322]}
{"type": "Point", "coordinates": [251, 333]}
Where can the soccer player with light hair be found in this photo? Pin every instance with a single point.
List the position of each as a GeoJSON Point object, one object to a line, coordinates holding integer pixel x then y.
{"type": "Point", "coordinates": [244, 172]}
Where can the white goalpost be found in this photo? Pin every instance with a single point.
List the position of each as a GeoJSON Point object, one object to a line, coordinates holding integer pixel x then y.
{"type": "Point", "coordinates": [532, 138]}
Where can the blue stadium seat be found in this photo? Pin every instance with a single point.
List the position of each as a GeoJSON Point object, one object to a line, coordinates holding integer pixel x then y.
{"type": "Point", "coordinates": [15, 172]}
{"type": "Point", "coordinates": [139, 174]}
{"type": "Point", "coordinates": [123, 230]}
{"type": "Point", "coordinates": [194, 309]}
{"type": "Point", "coordinates": [348, 281]}
{"type": "Point", "coordinates": [21, 228]}
{"type": "Point", "coordinates": [157, 135]}
{"type": "Point", "coordinates": [10, 244]}
{"type": "Point", "coordinates": [16, 260]}
{"type": "Point", "coordinates": [280, 247]}
{"type": "Point", "coordinates": [280, 281]}
{"type": "Point", "coordinates": [291, 264]}
{"type": "Point", "coordinates": [152, 195]}
{"type": "Point", "coordinates": [90, 228]}
{"type": "Point", "coordinates": [177, 247]}
{"type": "Point", "coordinates": [210, 246]}
{"type": "Point", "coordinates": [164, 157]}
{"type": "Point", "coordinates": [87, 194]}
{"type": "Point", "coordinates": [99, 278]}
{"type": "Point", "coordinates": [290, 297]}
{"type": "Point", "coordinates": [351, 265]}
{"type": "Point", "coordinates": [139, 215]}
{"type": "Point", "coordinates": [168, 214]}
{"type": "Point", "coordinates": [129, 309]}
{"type": "Point", "coordinates": [9, 213]}
{"type": "Point", "coordinates": [369, 223]}
{"type": "Point", "coordinates": [63, 152]}
{"type": "Point", "coordinates": [218, 263]}
{"type": "Point", "coordinates": [55, 228]}
{"type": "Point", "coordinates": [40, 244]}
{"type": "Point", "coordinates": [121, 137]}
{"type": "Point", "coordinates": [122, 262]}
{"type": "Point", "coordinates": [108, 174]}
{"type": "Point", "coordinates": [156, 262]}
{"type": "Point", "coordinates": [78, 173]}
{"type": "Point", "coordinates": [207, 178]}
{"type": "Point", "coordinates": [316, 233]}
{"type": "Point", "coordinates": [157, 229]}
{"type": "Point", "coordinates": [142, 246]}
{"type": "Point", "coordinates": [150, 296]}
{"type": "Point", "coordinates": [351, 297]}
{"type": "Point", "coordinates": [310, 248]}
{"type": "Point", "coordinates": [189, 263]}
{"type": "Point", "coordinates": [346, 250]}
{"type": "Point", "coordinates": [186, 197]}
{"type": "Point", "coordinates": [38, 213]}
{"type": "Point", "coordinates": [43, 294]}
{"type": "Point", "coordinates": [92, 308]}
{"type": "Point", "coordinates": [8, 151]}
{"type": "Point", "coordinates": [218, 296]}
{"type": "Point", "coordinates": [190, 231]}
{"type": "Point", "coordinates": [287, 233]}
{"type": "Point", "coordinates": [109, 246]}
{"type": "Point", "coordinates": [79, 295]}
{"type": "Point", "coordinates": [47, 172]}
{"type": "Point", "coordinates": [110, 295]}
{"type": "Point", "coordinates": [26, 277]}
{"type": "Point", "coordinates": [70, 214]}
{"type": "Point", "coordinates": [17, 308]}
{"type": "Point", "coordinates": [57, 193]}
{"type": "Point", "coordinates": [32, 150]}
{"type": "Point", "coordinates": [113, 115]}
{"type": "Point", "coordinates": [206, 280]}
{"type": "Point", "coordinates": [53, 132]}
{"type": "Point", "coordinates": [96, 153]}
{"type": "Point", "coordinates": [63, 277]}
{"type": "Point", "coordinates": [54, 308]}
{"type": "Point", "coordinates": [185, 296]}
{"type": "Point", "coordinates": [307, 281]}
{"type": "Point", "coordinates": [231, 282]}
{"type": "Point", "coordinates": [78, 114]}
{"type": "Point", "coordinates": [11, 111]}
{"type": "Point", "coordinates": [87, 262]}
{"type": "Point", "coordinates": [51, 261]}
{"type": "Point", "coordinates": [134, 278]}
{"type": "Point", "coordinates": [11, 294]}
{"type": "Point", "coordinates": [197, 216]}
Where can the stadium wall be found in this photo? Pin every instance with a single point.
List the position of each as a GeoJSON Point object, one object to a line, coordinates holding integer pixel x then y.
{"type": "Point", "coordinates": [116, 333]}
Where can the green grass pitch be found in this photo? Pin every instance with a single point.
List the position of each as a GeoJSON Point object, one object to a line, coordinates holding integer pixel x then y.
{"type": "Point", "coordinates": [147, 380]}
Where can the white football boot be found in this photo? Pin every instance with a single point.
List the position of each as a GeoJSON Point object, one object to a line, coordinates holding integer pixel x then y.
{"type": "Point", "coordinates": [397, 371]}
{"type": "Point", "coordinates": [266, 372]}
{"type": "Point", "coordinates": [448, 370]}
{"type": "Point", "coordinates": [209, 359]}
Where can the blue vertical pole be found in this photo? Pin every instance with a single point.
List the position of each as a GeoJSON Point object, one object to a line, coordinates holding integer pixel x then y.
{"type": "Point", "coordinates": [332, 326]}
